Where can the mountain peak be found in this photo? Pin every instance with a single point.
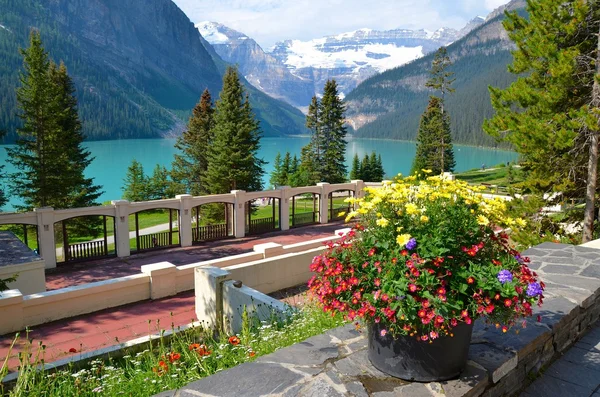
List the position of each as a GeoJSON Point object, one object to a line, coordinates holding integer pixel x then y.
{"type": "Point", "coordinates": [217, 33]}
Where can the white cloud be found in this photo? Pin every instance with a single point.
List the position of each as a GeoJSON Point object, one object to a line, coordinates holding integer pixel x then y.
{"type": "Point", "coordinates": [269, 21]}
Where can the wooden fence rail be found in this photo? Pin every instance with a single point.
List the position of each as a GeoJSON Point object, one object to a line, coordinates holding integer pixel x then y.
{"type": "Point", "coordinates": [210, 232]}
{"type": "Point", "coordinates": [89, 249]}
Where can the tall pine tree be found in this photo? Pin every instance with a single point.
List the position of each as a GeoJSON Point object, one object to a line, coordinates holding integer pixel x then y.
{"type": "Point", "coordinates": [430, 153]}
{"type": "Point", "coordinates": [551, 114]}
{"type": "Point", "coordinates": [135, 184]}
{"type": "Point", "coordinates": [191, 165]}
{"type": "Point", "coordinates": [355, 170]}
{"type": "Point", "coordinates": [232, 156]}
{"type": "Point", "coordinates": [333, 132]}
{"type": "Point", "coordinates": [49, 154]}
{"type": "Point", "coordinates": [434, 138]}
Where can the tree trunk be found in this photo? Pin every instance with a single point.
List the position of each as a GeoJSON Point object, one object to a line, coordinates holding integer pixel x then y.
{"type": "Point", "coordinates": [590, 195]}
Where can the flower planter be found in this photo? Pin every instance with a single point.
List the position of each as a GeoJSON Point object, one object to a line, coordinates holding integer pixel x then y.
{"type": "Point", "coordinates": [407, 358]}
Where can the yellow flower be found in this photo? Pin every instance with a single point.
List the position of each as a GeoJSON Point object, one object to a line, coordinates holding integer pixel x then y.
{"type": "Point", "coordinates": [411, 209]}
{"type": "Point", "coordinates": [351, 215]}
{"type": "Point", "coordinates": [403, 239]}
{"type": "Point", "coordinates": [521, 222]}
{"type": "Point", "coordinates": [424, 218]}
{"type": "Point", "coordinates": [482, 220]}
{"type": "Point", "coordinates": [427, 171]}
{"type": "Point", "coordinates": [382, 222]}
{"type": "Point", "coordinates": [399, 229]}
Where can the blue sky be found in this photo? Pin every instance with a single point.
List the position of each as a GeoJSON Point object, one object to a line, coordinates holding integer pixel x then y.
{"type": "Point", "coordinates": [269, 21]}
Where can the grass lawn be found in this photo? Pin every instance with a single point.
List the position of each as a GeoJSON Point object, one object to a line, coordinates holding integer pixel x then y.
{"type": "Point", "coordinates": [493, 176]}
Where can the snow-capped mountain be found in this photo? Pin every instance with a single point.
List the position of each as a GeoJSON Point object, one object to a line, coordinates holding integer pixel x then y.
{"type": "Point", "coordinates": [294, 70]}
{"type": "Point", "coordinates": [260, 69]}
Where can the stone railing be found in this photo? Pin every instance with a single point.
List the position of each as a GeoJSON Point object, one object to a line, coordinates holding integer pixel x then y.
{"type": "Point", "coordinates": [45, 218]}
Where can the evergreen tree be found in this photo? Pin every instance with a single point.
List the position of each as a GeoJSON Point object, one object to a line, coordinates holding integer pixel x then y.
{"type": "Point", "coordinates": [441, 79]}
{"type": "Point", "coordinates": [276, 175]}
{"type": "Point", "coordinates": [307, 173]}
{"type": "Point", "coordinates": [232, 161]}
{"type": "Point", "coordinates": [375, 168]}
{"type": "Point", "coordinates": [365, 169]}
{"type": "Point", "coordinates": [355, 171]}
{"type": "Point", "coordinates": [286, 168]}
{"type": "Point", "coordinates": [294, 176]}
{"type": "Point", "coordinates": [551, 113]}
{"type": "Point", "coordinates": [158, 184]}
{"type": "Point", "coordinates": [49, 154]}
{"type": "Point", "coordinates": [429, 150]}
{"type": "Point", "coordinates": [439, 152]}
{"type": "Point", "coordinates": [135, 186]}
{"type": "Point", "coordinates": [333, 133]}
{"type": "Point", "coordinates": [190, 166]}
{"type": "Point", "coordinates": [313, 123]}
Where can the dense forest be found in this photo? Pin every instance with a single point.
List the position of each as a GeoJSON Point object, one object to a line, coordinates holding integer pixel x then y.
{"type": "Point", "coordinates": [398, 96]}
{"type": "Point", "coordinates": [138, 67]}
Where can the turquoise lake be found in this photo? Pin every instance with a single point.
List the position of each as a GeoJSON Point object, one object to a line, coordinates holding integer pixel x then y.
{"type": "Point", "coordinates": [113, 157]}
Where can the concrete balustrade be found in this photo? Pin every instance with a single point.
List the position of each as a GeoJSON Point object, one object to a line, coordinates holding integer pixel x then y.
{"type": "Point", "coordinates": [120, 210]}
{"type": "Point", "coordinates": [270, 267]}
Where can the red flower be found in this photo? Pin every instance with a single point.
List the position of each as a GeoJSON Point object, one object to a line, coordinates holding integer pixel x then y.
{"type": "Point", "coordinates": [72, 350]}
{"type": "Point", "coordinates": [234, 340]}
{"type": "Point", "coordinates": [421, 313]}
{"type": "Point", "coordinates": [441, 291]}
{"type": "Point", "coordinates": [507, 302]}
{"type": "Point", "coordinates": [404, 252]}
{"type": "Point", "coordinates": [173, 357]}
{"type": "Point", "coordinates": [470, 280]}
{"type": "Point", "coordinates": [161, 369]}
{"type": "Point", "coordinates": [489, 309]}
{"type": "Point", "coordinates": [372, 252]}
{"type": "Point", "coordinates": [464, 314]}
{"type": "Point", "coordinates": [412, 287]}
{"type": "Point", "coordinates": [251, 354]}
{"type": "Point", "coordinates": [439, 320]}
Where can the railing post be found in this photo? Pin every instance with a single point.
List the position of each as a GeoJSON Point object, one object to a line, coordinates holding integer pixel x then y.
{"type": "Point", "coordinates": [121, 236]}
{"type": "Point", "coordinates": [185, 219]}
{"type": "Point", "coordinates": [284, 208]}
{"type": "Point", "coordinates": [239, 213]}
{"type": "Point", "coordinates": [359, 190]}
{"type": "Point", "coordinates": [45, 223]}
{"type": "Point", "coordinates": [324, 202]}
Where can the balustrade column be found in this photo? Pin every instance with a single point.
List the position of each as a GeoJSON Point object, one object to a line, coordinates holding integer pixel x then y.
{"type": "Point", "coordinates": [185, 220]}
{"type": "Point", "coordinates": [45, 223]}
{"type": "Point", "coordinates": [122, 228]}
{"type": "Point", "coordinates": [359, 190]}
{"type": "Point", "coordinates": [284, 208]}
{"type": "Point", "coordinates": [324, 202]}
{"type": "Point", "coordinates": [239, 213]}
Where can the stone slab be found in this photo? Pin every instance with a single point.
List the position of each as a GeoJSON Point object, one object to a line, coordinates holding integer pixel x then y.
{"type": "Point", "coordinates": [548, 386]}
{"type": "Point", "coordinates": [497, 362]}
{"type": "Point", "coordinates": [471, 383]}
{"type": "Point", "coordinates": [560, 269]}
{"type": "Point", "coordinates": [245, 380]}
{"type": "Point", "coordinates": [314, 351]}
{"type": "Point", "coordinates": [591, 271]}
{"type": "Point", "coordinates": [410, 390]}
{"type": "Point", "coordinates": [14, 252]}
{"type": "Point", "coordinates": [574, 373]}
{"type": "Point", "coordinates": [556, 310]}
{"type": "Point", "coordinates": [583, 357]}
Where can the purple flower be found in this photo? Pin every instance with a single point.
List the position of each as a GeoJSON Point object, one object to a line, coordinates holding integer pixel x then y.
{"type": "Point", "coordinates": [412, 244]}
{"type": "Point", "coordinates": [519, 259]}
{"type": "Point", "coordinates": [534, 289]}
{"type": "Point", "coordinates": [505, 276]}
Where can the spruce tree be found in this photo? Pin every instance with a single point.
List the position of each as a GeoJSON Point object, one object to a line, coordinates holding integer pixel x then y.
{"type": "Point", "coordinates": [550, 113]}
{"type": "Point", "coordinates": [135, 183]}
{"type": "Point", "coordinates": [333, 133]}
{"type": "Point", "coordinates": [441, 79]}
{"type": "Point", "coordinates": [190, 166]}
{"type": "Point", "coordinates": [313, 123]}
{"type": "Point", "coordinates": [286, 168]}
{"type": "Point", "coordinates": [49, 154]}
{"type": "Point", "coordinates": [355, 171]}
{"type": "Point", "coordinates": [276, 174]}
{"type": "Point", "coordinates": [294, 176]}
{"type": "Point", "coordinates": [232, 156]}
{"type": "Point", "coordinates": [308, 170]}
{"type": "Point", "coordinates": [158, 185]}
{"type": "Point", "coordinates": [365, 169]}
{"type": "Point", "coordinates": [376, 168]}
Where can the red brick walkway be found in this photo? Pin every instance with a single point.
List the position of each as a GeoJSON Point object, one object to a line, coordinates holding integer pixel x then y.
{"type": "Point", "coordinates": [100, 329]}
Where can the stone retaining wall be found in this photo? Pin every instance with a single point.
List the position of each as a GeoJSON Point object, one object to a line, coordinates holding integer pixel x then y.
{"type": "Point", "coordinates": [336, 364]}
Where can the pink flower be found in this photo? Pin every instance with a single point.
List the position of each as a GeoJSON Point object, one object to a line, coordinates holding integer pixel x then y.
{"type": "Point", "coordinates": [383, 332]}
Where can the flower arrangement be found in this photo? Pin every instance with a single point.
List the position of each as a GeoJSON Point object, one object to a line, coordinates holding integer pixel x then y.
{"type": "Point", "coordinates": [423, 257]}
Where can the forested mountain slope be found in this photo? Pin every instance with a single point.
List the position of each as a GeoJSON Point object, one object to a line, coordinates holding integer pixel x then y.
{"type": "Point", "coordinates": [138, 66]}
{"type": "Point", "coordinates": [389, 105]}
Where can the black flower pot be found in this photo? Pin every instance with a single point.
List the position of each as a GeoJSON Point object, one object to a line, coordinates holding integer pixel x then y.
{"type": "Point", "coordinates": [407, 358]}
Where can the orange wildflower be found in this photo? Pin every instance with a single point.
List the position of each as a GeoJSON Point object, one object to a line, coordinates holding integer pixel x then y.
{"type": "Point", "coordinates": [234, 340]}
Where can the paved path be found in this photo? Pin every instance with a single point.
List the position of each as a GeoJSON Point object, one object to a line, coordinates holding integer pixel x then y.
{"type": "Point", "coordinates": [576, 374]}
{"type": "Point", "coordinates": [86, 272]}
